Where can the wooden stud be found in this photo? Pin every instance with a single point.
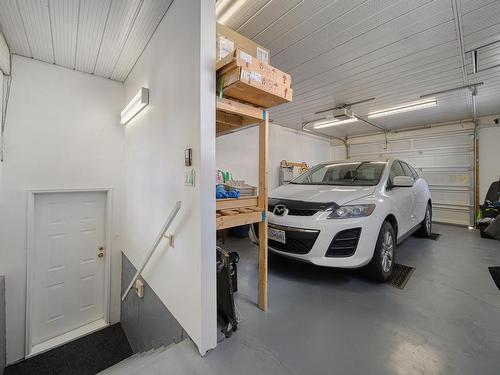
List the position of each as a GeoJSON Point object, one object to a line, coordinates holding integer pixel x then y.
{"type": "Point", "coordinates": [262, 202]}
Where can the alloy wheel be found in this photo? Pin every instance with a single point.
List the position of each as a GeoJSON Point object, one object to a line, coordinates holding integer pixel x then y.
{"type": "Point", "coordinates": [428, 220]}
{"type": "Point", "coordinates": [387, 252]}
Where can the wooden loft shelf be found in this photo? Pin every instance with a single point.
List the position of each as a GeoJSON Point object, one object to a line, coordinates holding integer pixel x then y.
{"type": "Point", "coordinates": [236, 218]}
{"type": "Point", "coordinates": [233, 116]}
{"type": "Point", "coordinates": [235, 203]}
{"type": "Point", "coordinates": [234, 212]}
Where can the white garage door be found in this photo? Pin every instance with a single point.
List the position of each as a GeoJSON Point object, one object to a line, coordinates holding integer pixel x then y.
{"type": "Point", "coordinates": [443, 156]}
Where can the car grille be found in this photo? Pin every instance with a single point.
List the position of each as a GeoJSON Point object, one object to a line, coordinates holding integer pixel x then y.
{"type": "Point", "coordinates": [301, 208]}
{"type": "Point", "coordinates": [344, 244]}
{"type": "Point", "coordinates": [297, 242]}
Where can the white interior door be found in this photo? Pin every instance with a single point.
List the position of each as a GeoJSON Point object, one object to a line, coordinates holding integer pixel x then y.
{"type": "Point", "coordinates": [67, 263]}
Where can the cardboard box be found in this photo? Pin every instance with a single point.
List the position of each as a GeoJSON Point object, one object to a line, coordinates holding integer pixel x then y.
{"type": "Point", "coordinates": [228, 40]}
{"type": "Point", "coordinates": [240, 58]}
{"type": "Point", "coordinates": [253, 87]}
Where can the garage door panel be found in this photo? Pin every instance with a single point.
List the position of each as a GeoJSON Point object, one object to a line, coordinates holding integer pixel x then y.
{"type": "Point", "coordinates": [452, 141]}
{"type": "Point", "coordinates": [452, 197]}
{"type": "Point", "coordinates": [451, 215]}
{"type": "Point", "coordinates": [443, 156]}
{"type": "Point", "coordinates": [448, 179]}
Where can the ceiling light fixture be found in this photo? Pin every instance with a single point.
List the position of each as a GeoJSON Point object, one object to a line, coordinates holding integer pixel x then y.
{"type": "Point", "coordinates": [225, 9]}
{"type": "Point", "coordinates": [328, 123]}
{"type": "Point", "coordinates": [136, 105]}
{"type": "Point", "coordinates": [404, 108]}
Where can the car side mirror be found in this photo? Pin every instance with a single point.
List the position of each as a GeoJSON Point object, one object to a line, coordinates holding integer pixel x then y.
{"type": "Point", "coordinates": [402, 181]}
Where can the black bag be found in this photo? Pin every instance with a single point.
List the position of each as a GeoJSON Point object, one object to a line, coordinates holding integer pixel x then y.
{"type": "Point", "coordinates": [226, 286]}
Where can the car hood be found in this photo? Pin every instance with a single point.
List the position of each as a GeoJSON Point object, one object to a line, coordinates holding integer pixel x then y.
{"type": "Point", "coordinates": [322, 193]}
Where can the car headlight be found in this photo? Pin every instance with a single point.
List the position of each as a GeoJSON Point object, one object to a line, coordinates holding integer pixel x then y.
{"type": "Point", "coordinates": [352, 211]}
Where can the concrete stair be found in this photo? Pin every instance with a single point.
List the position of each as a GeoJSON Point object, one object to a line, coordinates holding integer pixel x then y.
{"type": "Point", "coordinates": [137, 363]}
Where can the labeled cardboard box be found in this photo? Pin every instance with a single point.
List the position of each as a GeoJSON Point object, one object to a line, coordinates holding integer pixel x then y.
{"type": "Point", "coordinates": [240, 58]}
{"type": "Point", "coordinates": [253, 87]}
{"type": "Point", "coordinates": [228, 40]}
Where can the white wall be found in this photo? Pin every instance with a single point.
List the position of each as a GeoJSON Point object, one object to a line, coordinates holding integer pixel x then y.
{"type": "Point", "coordinates": [238, 152]}
{"type": "Point", "coordinates": [62, 133]}
{"type": "Point", "coordinates": [177, 67]}
{"type": "Point", "coordinates": [489, 159]}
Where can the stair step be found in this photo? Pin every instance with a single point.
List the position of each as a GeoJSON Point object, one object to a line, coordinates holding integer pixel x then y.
{"type": "Point", "coordinates": [121, 364]}
{"type": "Point", "coordinates": [134, 364]}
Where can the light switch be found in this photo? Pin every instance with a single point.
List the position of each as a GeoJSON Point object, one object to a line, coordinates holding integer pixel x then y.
{"type": "Point", "coordinates": [189, 177]}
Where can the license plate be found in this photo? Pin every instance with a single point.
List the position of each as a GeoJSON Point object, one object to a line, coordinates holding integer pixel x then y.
{"type": "Point", "coordinates": [276, 235]}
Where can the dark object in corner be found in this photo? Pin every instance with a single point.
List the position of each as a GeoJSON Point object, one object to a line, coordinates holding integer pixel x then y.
{"type": "Point", "coordinates": [493, 230]}
{"type": "Point", "coordinates": [495, 274]}
{"type": "Point", "coordinates": [226, 271]}
{"type": "Point", "coordinates": [490, 209]}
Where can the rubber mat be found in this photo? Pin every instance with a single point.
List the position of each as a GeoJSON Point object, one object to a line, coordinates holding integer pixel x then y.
{"type": "Point", "coordinates": [85, 356]}
{"type": "Point", "coordinates": [434, 236]}
{"type": "Point", "coordinates": [400, 275]}
{"type": "Point", "coordinates": [495, 274]}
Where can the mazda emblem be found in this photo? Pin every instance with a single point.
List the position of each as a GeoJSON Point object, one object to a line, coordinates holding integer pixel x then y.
{"type": "Point", "coordinates": [280, 210]}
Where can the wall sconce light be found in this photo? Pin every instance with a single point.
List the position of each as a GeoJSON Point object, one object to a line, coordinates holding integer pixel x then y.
{"type": "Point", "coordinates": [136, 105]}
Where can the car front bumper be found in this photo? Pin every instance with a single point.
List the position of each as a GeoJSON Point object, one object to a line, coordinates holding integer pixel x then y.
{"type": "Point", "coordinates": [325, 230]}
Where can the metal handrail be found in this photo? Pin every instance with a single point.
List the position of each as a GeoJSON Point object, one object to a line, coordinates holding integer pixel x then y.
{"type": "Point", "coordinates": [165, 227]}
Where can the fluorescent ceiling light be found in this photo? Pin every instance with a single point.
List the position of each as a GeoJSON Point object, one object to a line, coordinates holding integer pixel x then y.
{"type": "Point", "coordinates": [404, 108]}
{"type": "Point", "coordinates": [136, 105]}
{"type": "Point", "coordinates": [225, 9]}
{"type": "Point", "coordinates": [327, 124]}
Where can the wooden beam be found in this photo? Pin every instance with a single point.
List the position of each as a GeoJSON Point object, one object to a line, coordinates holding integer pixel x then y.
{"type": "Point", "coordinates": [246, 111]}
{"type": "Point", "coordinates": [230, 221]}
{"type": "Point", "coordinates": [231, 203]}
{"type": "Point", "coordinates": [262, 202]}
{"type": "Point", "coordinates": [229, 119]}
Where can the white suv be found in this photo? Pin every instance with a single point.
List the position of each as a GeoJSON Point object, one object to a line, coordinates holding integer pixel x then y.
{"type": "Point", "coordinates": [349, 214]}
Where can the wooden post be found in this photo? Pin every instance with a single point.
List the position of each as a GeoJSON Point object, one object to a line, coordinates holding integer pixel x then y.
{"type": "Point", "coordinates": [262, 202]}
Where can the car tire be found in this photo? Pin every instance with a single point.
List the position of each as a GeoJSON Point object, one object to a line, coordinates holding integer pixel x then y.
{"type": "Point", "coordinates": [426, 226]}
{"type": "Point", "coordinates": [380, 267]}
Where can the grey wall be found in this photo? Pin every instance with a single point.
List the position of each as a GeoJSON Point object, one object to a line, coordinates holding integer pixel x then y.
{"type": "Point", "coordinates": [2, 324]}
{"type": "Point", "coordinates": [146, 321]}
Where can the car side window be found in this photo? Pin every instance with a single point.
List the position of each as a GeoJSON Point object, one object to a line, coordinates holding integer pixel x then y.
{"type": "Point", "coordinates": [407, 170]}
{"type": "Point", "coordinates": [415, 174]}
{"type": "Point", "coordinates": [396, 170]}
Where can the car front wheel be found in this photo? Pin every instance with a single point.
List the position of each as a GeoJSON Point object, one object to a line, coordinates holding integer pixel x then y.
{"type": "Point", "coordinates": [381, 266]}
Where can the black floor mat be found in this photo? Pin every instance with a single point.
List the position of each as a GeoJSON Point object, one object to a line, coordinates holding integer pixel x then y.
{"type": "Point", "coordinates": [400, 275]}
{"type": "Point", "coordinates": [495, 274]}
{"type": "Point", "coordinates": [86, 356]}
{"type": "Point", "coordinates": [434, 236]}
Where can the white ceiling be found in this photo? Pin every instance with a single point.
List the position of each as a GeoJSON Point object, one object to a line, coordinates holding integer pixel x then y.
{"type": "Point", "coordinates": [102, 37]}
{"type": "Point", "coordinates": [348, 50]}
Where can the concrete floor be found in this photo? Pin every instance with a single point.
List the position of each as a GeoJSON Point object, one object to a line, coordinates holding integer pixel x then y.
{"type": "Point", "coordinates": [327, 321]}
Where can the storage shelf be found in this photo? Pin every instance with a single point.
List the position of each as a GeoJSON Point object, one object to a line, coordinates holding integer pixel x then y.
{"type": "Point", "coordinates": [235, 203]}
{"type": "Point", "coordinates": [230, 221]}
{"type": "Point", "coordinates": [233, 116]}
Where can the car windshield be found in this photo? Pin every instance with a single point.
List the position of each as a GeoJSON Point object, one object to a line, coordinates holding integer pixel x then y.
{"type": "Point", "coordinates": [364, 173]}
